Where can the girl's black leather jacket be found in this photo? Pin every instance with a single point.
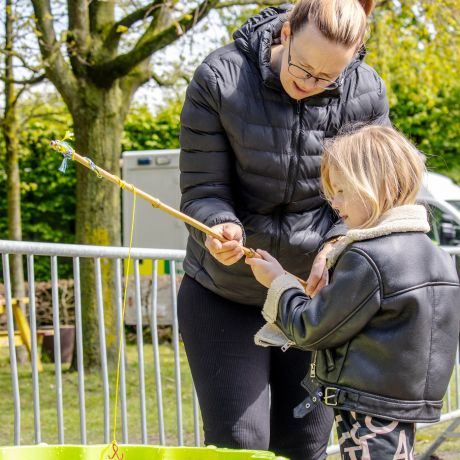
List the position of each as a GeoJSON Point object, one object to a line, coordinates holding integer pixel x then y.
{"type": "Point", "coordinates": [385, 329]}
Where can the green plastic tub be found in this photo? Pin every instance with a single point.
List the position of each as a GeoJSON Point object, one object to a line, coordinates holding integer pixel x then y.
{"type": "Point", "coordinates": [131, 452]}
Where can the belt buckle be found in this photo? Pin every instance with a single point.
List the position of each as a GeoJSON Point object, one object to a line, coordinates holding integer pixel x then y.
{"type": "Point", "coordinates": [330, 396]}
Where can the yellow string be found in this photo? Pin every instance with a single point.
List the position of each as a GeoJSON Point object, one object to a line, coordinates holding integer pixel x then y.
{"type": "Point", "coordinates": [114, 443]}
{"type": "Point", "coordinates": [123, 314]}
{"type": "Point", "coordinates": [63, 148]}
{"type": "Point", "coordinates": [121, 183]}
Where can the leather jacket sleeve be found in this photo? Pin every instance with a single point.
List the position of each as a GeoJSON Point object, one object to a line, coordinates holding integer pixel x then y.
{"type": "Point", "coordinates": [206, 160]}
{"type": "Point", "coordinates": [339, 311]}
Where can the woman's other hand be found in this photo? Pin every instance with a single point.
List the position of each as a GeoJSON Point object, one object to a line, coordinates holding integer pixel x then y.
{"type": "Point", "coordinates": [229, 252]}
{"type": "Point", "coordinates": [265, 268]}
{"type": "Point", "coordinates": [319, 274]}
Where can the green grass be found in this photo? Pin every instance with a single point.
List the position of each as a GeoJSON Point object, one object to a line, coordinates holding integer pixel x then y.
{"type": "Point", "coordinates": [450, 450]}
{"type": "Point", "coordinates": [94, 401]}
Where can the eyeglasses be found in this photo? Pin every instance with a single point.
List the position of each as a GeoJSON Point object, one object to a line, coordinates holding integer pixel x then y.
{"type": "Point", "coordinates": [303, 74]}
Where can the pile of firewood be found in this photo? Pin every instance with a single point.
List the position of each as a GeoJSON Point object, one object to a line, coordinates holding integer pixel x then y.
{"type": "Point", "coordinates": [44, 303]}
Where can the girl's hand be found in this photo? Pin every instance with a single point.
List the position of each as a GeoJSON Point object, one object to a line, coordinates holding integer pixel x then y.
{"type": "Point", "coordinates": [266, 268]}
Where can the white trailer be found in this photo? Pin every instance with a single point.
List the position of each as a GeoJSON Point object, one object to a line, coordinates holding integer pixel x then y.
{"type": "Point", "coordinates": [156, 172]}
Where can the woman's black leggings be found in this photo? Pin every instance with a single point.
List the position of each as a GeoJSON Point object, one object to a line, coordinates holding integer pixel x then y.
{"type": "Point", "coordinates": [246, 392]}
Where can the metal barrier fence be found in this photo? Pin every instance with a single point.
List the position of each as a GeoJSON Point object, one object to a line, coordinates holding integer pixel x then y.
{"type": "Point", "coordinates": [76, 252]}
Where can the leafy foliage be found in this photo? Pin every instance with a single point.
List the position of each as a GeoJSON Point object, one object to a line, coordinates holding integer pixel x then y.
{"type": "Point", "coordinates": [415, 47]}
{"type": "Point", "coordinates": [47, 195]}
{"type": "Point", "coordinates": [144, 131]}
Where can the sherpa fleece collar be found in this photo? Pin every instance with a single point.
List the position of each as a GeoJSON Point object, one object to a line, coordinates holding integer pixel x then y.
{"type": "Point", "coordinates": [407, 218]}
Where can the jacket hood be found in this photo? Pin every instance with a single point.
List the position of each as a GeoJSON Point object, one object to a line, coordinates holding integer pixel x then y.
{"type": "Point", "coordinates": [259, 33]}
{"type": "Point", "coordinates": [266, 24]}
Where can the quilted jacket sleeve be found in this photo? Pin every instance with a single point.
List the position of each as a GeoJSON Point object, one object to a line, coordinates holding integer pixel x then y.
{"type": "Point", "coordinates": [206, 159]}
{"type": "Point", "coordinates": [338, 312]}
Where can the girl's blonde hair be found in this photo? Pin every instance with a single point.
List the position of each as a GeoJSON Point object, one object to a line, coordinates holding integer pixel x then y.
{"type": "Point", "coordinates": [379, 163]}
{"type": "Point", "coordinates": [341, 21]}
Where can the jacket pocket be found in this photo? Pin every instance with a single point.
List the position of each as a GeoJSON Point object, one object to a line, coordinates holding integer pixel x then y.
{"type": "Point", "coordinates": [330, 363]}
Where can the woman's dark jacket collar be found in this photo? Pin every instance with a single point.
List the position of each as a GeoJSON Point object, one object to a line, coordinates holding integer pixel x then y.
{"type": "Point", "coordinates": [256, 37]}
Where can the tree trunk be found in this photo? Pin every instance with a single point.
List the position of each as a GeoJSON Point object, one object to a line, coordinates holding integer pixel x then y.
{"type": "Point", "coordinates": [13, 182]}
{"type": "Point", "coordinates": [10, 132]}
{"type": "Point", "coordinates": [98, 126]}
{"type": "Point", "coordinates": [14, 198]}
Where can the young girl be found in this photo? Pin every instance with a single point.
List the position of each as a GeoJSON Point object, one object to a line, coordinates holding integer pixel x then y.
{"type": "Point", "coordinates": [384, 331]}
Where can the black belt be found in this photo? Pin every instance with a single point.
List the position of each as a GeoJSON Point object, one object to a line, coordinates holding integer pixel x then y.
{"type": "Point", "coordinates": [414, 411]}
{"type": "Point", "coordinates": [329, 396]}
{"type": "Point", "coordinates": [315, 393]}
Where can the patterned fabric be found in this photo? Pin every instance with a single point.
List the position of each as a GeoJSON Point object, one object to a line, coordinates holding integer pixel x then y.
{"type": "Point", "coordinates": [362, 437]}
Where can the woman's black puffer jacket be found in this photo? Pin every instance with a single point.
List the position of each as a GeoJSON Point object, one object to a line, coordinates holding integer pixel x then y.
{"type": "Point", "coordinates": [251, 155]}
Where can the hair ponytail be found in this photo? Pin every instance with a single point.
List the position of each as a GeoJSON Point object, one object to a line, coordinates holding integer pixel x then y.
{"type": "Point", "coordinates": [368, 6]}
{"type": "Point", "coordinates": [341, 21]}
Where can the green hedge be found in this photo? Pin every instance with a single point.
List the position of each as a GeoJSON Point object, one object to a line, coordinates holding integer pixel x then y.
{"type": "Point", "coordinates": [48, 196]}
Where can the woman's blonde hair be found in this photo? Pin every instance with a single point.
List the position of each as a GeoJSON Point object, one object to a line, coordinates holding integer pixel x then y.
{"type": "Point", "coordinates": [341, 21]}
{"type": "Point", "coordinates": [379, 163]}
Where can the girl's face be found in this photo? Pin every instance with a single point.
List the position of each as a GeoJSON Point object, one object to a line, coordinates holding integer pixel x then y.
{"type": "Point", "coordinates": [309, 50]}
{"type": "Point", "coordinates": [346, 201]}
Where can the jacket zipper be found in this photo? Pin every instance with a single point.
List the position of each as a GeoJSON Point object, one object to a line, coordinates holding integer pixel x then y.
{"type": "Point", "coordinates": [300, 106]}
{"type": "Point", "coordinates": [287, 345]}
{"type": "Point", "coordinates": [313, 365]}
{"type": "Point", "coordinates": [294, 160]}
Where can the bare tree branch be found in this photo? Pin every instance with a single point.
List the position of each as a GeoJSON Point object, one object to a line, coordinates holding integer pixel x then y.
{"type": "Point", "coordinates": [79, 21]}
{"type": "Point", "coordinates": [59, 72]}
{"type": "Point", "coordinates": [21, 58]}
{"type": "Point", "coordinates": [25, 84]}
{"type": "Point", "coordinates": [149, 43]}
{"type": "Point", "coordinates": [129, 20]}
{"type": "Point", "coordinates": [153, 10]}
{"type": "Point", "coordinates": [28, 81]}
{"type": "Point", "coordinates": [18, 95]}
{"type": "Point", "coordinates": [101, 16]}
{"type": "Point", "coordinates": [78, 39]}
{"type": "Point", "coordinates": [171, 81]}
{"type": "Point", "coordinates": [124, 63]}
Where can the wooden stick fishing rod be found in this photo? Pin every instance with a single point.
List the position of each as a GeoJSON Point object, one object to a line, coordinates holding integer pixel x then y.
{"type": "Point", "coordinates": [69, 153]}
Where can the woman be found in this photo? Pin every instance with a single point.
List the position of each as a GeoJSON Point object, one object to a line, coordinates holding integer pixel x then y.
{"type": "Point", "coordinates": [254, 118]}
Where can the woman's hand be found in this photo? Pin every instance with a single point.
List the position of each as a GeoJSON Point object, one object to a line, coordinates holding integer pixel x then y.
{"type": "Point", "coordinates": [229, 252]}
{"type": "Point", "coordinates": [266, 268]}
{"type": "Point", "coordinates": [319, 274]}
